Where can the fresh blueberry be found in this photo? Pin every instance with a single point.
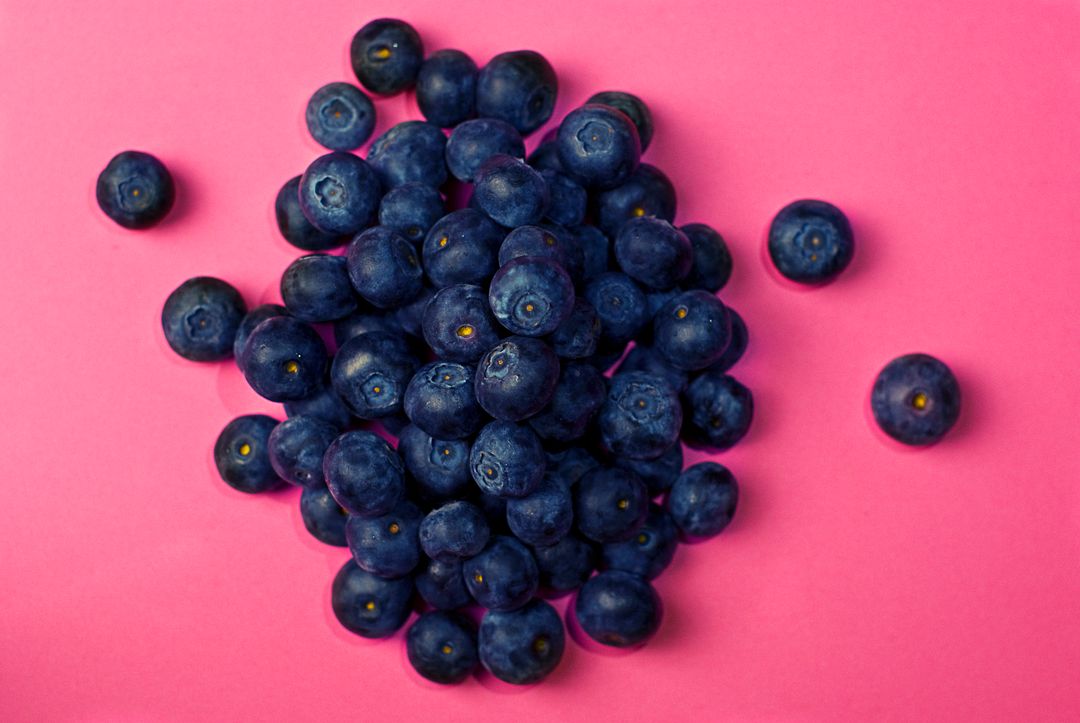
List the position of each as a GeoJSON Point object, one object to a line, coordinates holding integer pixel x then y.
{"type": "Point", "coordinates": [516, 378]}
{"type": "Point", "coordinates": [740, 338]}
{"type": "Point", "coordinates": [692, 330]}
{"type": "Point", "coordinates": [811, 241]}
{"type": "Point", "coordinates": [339, 193]}
{"type": "Point", "coordinates": [439, 467]}
{"type": "Point", "coordinates": [362, 322]}
{"type": "Point", "coordinates": [503, 576]}
{"type": "Point", "coordinates": [384, 268]}
{"type": "Point", "coordinates": [578, 396]}
{"type": "Point", "coordinates": [410, 315]}
{"type": "Point", "coordinates": [458, 324]}
{"type": "Point", "coordinates": [621, 306]}
{"type": "Point", "coordinates": [475, 141]}
{"type": "Point", "coordinates": [411, 210]}
{"type": "Point", "coordinates": [370, 373]}
{"type": "Point", "coordinates": [618, 608]}
{"type": "Point", "coordinates": [595, 249]}
{"type": "Point", "coordinates": [518, 87]}
{"type": "Point", "coordinates": [387, 545]}
{"type": "Point", "coordinates": [324, 404]}
{"type": "Point", "coordinates": [566, 565]}
{"type": "Point", "coordinates": [718, 411]}
{"type": "Point", "coordinates": [546, 155]}
{"type": "Point", "coordinates": [446, 88]}
{"type": "Point", "coordinates": [297, 446]}
{"type": "Point", "coordinates": [641, 417]}
{"type": "Point", "coordinates": [201, 318]}
{"type": "Point", "coordinates": [340, 116]}
{"type": "Point", "coordinates": [441, 401]}
{"type": "Point", "coordinates": [323, 516]}
{"type": "Point", "coordinates": [915, 399]}
{"type": "Point", "coordinates": [410, 152]}
{"type": "Point", "coordinates": [647, 193]}
{"type": "Point", "coordinates": [544, 516]}
{"type": "Point", "coordinates": [293, 224]}
{"type": "Point", "coordinates": [522, 646]}
{"type": "Point", "coordinates": [654, 252]}
{"type": "Point", "coordinates": [702, 501]}
{"type": "Point", "coordinates": [533, 241]}
{"type": "Point", "coordinates": [531, 296]}
{"type": "Point", "coordinates": [442, 647]}
{"type": "Point", "coordinates": [645, 359]}
{"type": "Point", "coordinates": [578, 336]}
{"type": "Point", "coordinates": [647, 553]}
{"type": "Point", "coordinates": [460, 248]}
{"type": "Point", "coordinates": [386, 55]}
{"type": "Point", "coordinates": [598, 146]}
{"type": "Point", "coordinates": [610, 504]}
{"type": "Point", "coordinates": [369, 605]}
{"type": "Point", "coordinates": [442, 585]}
{"type": "Point", "coordinates": [571, 464]}
{"type": "Point", "coordinates": [712, 260]}
{"type": "Point", "coordinates": [252, 319]}
{"type": "Point", "coordinates": [135, 190]}
{"type": "Point", "coordinates": [316, 288]}
{"type": "Point", "coordinates": [364, 473]}
{"type": "Point", "coordinates": [507, 459]}
{"type": "Point", "coordinates": [658, 473]}
{"type": "Point", "coordinates": [568, 198]}
{"type": "Point", "coordinates": [241, 454]}
{"type": "Point", "coordinates": [510, 191]}
{"type": "Point", "coordinates": [284, 359]}
{"type": "Point", "coordinates": [454, 531]}
{"type": "Point", "coordinates": [634, 108]}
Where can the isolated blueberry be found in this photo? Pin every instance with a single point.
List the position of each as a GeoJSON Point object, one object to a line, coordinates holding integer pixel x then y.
{"type": "Point", "coordinates": [386, 55]}
{"type": "Point", "coordinates": [297, 446]}
{"type": "Point", "coordinates": [568, 200]}
{"type": "Point", "coordinates": [578, 336]}
{"type": "Point", "coordinates": [531, 295]}
{"type": "Point", "coordinates": [633, 107]}
{"type": "Point", "coordinates": [241, 454]}
{"type": "Point", "coordinates": [649, 551]}
{"type": "Point", "coordinates": [442, 585]}
{"type": "Point", "coordinates": [323, 517]}
{"type": "Point", "coordinates": [618, 608]}
{"type": "Point", "coordinates": [544, 516]}
{"type": "Point", "coordinates": [503, 576]}
{"type": "Point", "coordinates": [439, 467]}
{"type": "Point", "coordinates": [654, 252]}
{"type": "Point", "coordinates": [703, 499]}
{"type": "Point", "coordinates": [135, 190]}
{"type": "Point", "coordinates": [369, 605]}
{"type": "Point", "coordinates": [410, 152]}
{"type": "Point", "coordinates": [522, 646]}
{"type": "Point", "coordinates": [475, 141]}
{"type": "Point", "coordinates": [446, 88]}
{"type": "Point", "coordinates": [598, 146]}
{"type": "Point", "coordinates": [595, 250]}
{"type": "Point", "coordinates": [340, 117]}
{"type": "Point", "coordinates": [370, 373]}
{"type": "Point", "coordinates": [363, 321]}
{"type": "Point", "coordinates": [811, 241]}
{"type": "Point", "coordinates": [364, 473]}
{"type": "Point", "coordinates": [507, 459]}
{"type": "Point", "coordinates": [461, 248]}
{"type": "Point", "coordinates": [284, 359]}
{"type": "Point", "coordinates": [458, 324]}
{"type": "Point", "coordinates": [571, 464]}
{"type": "Point", "coordinates": [645, 359]}
{"type": "Point", "coordinates": [454, 531]}
{"type": "Point", "coordinates": [387, 545]}
{"type": "Point", "coordinates": [641, 417]}
{"type": "Point", "coordinates": [339, 193]}
{"type": "Point", "coordinates": [692, 330]}
{"type": "Point", "coordinates": [323, 404]}
{"type": "Point", "coordinates": [578, 396]}
{"type": "Point", "coordinates": [510, 191]}
{"type": "Point", "coordinates": [442, 647]}
{"type": "Point", "coordinates": [712, 260]}
{"type": "Point", "coordinates": [740, 338]}
{"type": "Point", "coordinates": [293, 224]}
{"type": "Point", "coordinates": [440, 400]}
{"type": "Point", "coordinates": [610, 504]}
{"type": "Point", "coordinates": [647, 193]}
{"type": "Point", "coordinates": [251, 320]}
{"type": "Point", "coordinates": [566, 565]}
{"type": "Point", "coordinates": [658, 473]}
{"type": "Point", "coordinates": [516, 378]}
{"type": "Point", "coordinates": [718, 411]}
{"type": "Point", "coordinates": [316, 288]}
{"type": "Point", "coordinates": [518, 87]}
{"type": "Point", "coordinates": [915, 399]}
{"type": "Point", "coordinates": [411, 210]}
{"type": "Point", "coordinates": [201, 318]}
{"type": "Point", "coordinates": [620, 303]}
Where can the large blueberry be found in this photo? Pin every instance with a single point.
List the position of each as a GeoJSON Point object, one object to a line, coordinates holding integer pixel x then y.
{"type": "Point", "coordinates": [454, 531]}
{"type": "Point", "coordinates": [516, 378]}
{"type": "Point", "coordinates": [598, 146]}
{"type": "Point", "coordinates": [201, 318]}
{"type": "Point", "coordinates": [566, 565]}
{"type": "Point", "coordinates": [510, 191]}
{"type": "Point", "coordinates": [339, 193]}
{"type": "Point", "coordinates": [461, 248]}
{"type": "Point", "coordinates": [297, 446]}
{"type": "Point", "coordinates": [369, 605]}
{"type": "Point", "coordinates": [641, 416]}
{"type": "Point", "coordinates": [384, 268]}
{"type": "Point", "coordinates": [323, 517]}
{"type": "Point", "coordinates": [442, 585]}
{"type": "Point", "coordinates": [533, 241]}
{"type": "Point", "coordinates": [387, 545]}
{"type": "Point", "coordinates": [293, 224]}
{"type": "Point", "coordinates": [518, 87]}
{"type": "Point", "coordinates": [915, 399]}
{"type": "Point", "coordinates": [811, 241]}
{"type": "Point", "coordinates": [411, 210]}
{"type": "Point", "coordinates": [241, 454]}
{"type": "Point", "coordinates": [654, 252]}
{"type": "Point", "coordinates": [442, 647]}
{"type": "Point", "coordinates": [446, 88]}
{"type": "Point", "coordinates": [340, 116]}
{"type": "Point", "coordinates": [284, 359]}
{"type": "Point", "coordinates": [474, 141]}
{"type": "Point", "coordinates": [364, 473]}
{"type": "Point", "coordinates": [543, 516]}
{"type": "Point", "coordinates": [531, 296]}
{"type": "Point", "coordinates": [712, 260]}
{"type": "Point", "coordinates": [439, 467]}
{"type": "Point", "coordinates": [503, 576]}
{"type": "Point", "coordinates": [610, 504]}
{"type": "Point", "coordinates": [135, 190]}
{"type": "Point", "coordinates": [251, 320]}
{"type": "Point", "coordinates": [316, 288]}
{"type": "Point", "coordinates": [703, 499]}
{"type": "Point", "coordinates": [507, 459]}
{"type": "Point", "coordinates": [692, 330]}
{"type": "Point", "coordinates": [578, 397]}
{"type": "Point", "coordinates": [370, 373]}
{"type": "Point", "coordinates": [458, 324]}
{"type": "Point", "coordinates": [633, 107]}
{"type": "Point", "coordinates": [441, 401]}
{"type": "Point", "coordinates": [718, 411]}
{"type": "Point", "coordinates": [410, 152]}
{"type": "Point", "coordinates": [646, 193]}
{"type": "Point", "coordinates": [658, 473]}
{"type": "Point", "coordinates": [649, 551]}
{"type": "Point", "coordinates": [522, 646]}
{"type": "Point", "coordinates": [386, 55]}
{"type": "Point", "coordinates": [620, 303]}
{"type": "Point", "coordinates": [618, 608]}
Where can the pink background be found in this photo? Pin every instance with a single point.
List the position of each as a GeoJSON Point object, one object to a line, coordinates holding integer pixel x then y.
{"type": "Point", "coordinates": [857, 582]}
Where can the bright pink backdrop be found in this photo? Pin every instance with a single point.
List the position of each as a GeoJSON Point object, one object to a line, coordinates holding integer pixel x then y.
{"type": "Point", "coordinates": [857, 581]}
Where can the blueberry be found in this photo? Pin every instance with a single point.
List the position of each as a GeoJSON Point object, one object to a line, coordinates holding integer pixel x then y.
{"type": "Point", "coordinates": [475, 141]}
{"type": "Point", "coordinates": [252, 319]}
{"type": "Point", "coordinates": [316, 288]}
{"type": "Point", "coordinates": [658, 473]}
{"type": "Point", "coordinates": [503, 576]}
{"type": "Point", "coordinates": [598, 146]}
{"type": "Point", "coordinates": [571, 464]}
{"type": "Point", "coordinates": [454, 531]}
{"type": "Point", "coordinates": [370, 373]}
{"type": "Point", "coordinates": [634, 108]}
{"type": "Point", "coordinates": [647, 193]}
{"type": "Point", "coordinates": [610, 504]}
{"type": "Point", "coordinates": [339, 193]}
{"type": "Point", "coordinates": [410, 315]}
{"type": "Point", "coordinates": [595, 249]}
{"type": "Point", "coordinates": [201, 317]}
{"type": "Point", "coordinates": [692, 330]}
{"type": "Point", "coordinates": [647, 553]}
{"type": "Point", "coordinates": [915, 399]}
{"type": "Point", "coordinates": [324, 404]}
{"type": "Point", "coordinates": [439, 467]}
{"type": "Point", "coordinates": [241, 454]}
{"type": "Point", "coordinates": [510, 191]}
{"type": "Point", "coordinates": [516, 378]}
{"type": "Point", "coordinates": [411, 210]}
{"type": "Point", "coordinates": [566, 565]}
{"type": "Point", "coordinates": [446, 88]}
{"type": "Point", "coordinates": [387, 545]}
{"type": "Point", "coordinates": [507, 459]}
{"type": "Point", "coordinates": [364, 473]}
{"type": "Point", "coordinates": [293, 224]}
{"type": "Point", "coordinates": [621, 306]}
{"type": "Point", "coordinates": [811, 241]}
{"type": "Point", "coordinates": [579, 334]}
{"type": "Point", "coordinates": [340, 117]}
{"type": "Point", "coordinates": [386, 55]}
{"type": "Point", "coordinates": [654, 252]}
{"type": "Point", "coordinates": [135, 190]}
{"type": "Point", "coordinates": [442, 647]}
{"type": "Point", "coordinates": [645, 359]}
{"type": "Point", "coordinates": [442, 586]}
{"type": "Point", "coordinates": [578, 396]}
{"type": "Point", "coordinates": [641, 417]}
{"type": "Point", "coordinates": [297, 446]}
{"type": "Point", "coordinates": [369, 605]}
{"type": "Point", "coordinates": [740, 338]}
{"type": "Point", "coordinates": [532, 241]}
{"type": "Point", "coordinates": [440, 400]}
{"type": "Point", "coordinates": [518, 87]}
{"type": "Point", "coordinates": [362, 322]}
{"type": "Point", "coordinates": [546, 155]}
{"type": "Point", "coordinates": [458, 324]}
{"type": "Point", "coordinates": [568, 198]}
{"type": "Point", "coordinates": [712, 260]}
{"type": "Point", "coordinates": [410, 152]}
{"type": "Point", "coordinates": [323, 516]}
{"type": "Point", "coordinates": [618, 608]}
{"type": "Point", "coordinates": [284, 359]}
{"type": "Point", "coordinates": [384, 268]}
{"type": "Point", "coordinates": [522, 646]}
{"type": "Point", "coordinates": [718, 411]}
{"type": "Point", "coordinates": [702, 501]}
{"type": "Point", "coordinates": [460, 248]}
{"type": "Point", "coordinates": [531, 295]}
{"type": "Point", "coordinates": [544, 516]}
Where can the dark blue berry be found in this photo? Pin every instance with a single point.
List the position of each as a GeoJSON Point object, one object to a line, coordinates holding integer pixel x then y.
{"type": "Point", "coordinates": [370, 373]}
{"type": "Point", "coordinates": [649, 551]}
{"type": "Point", "coordinates": [135, 190]}
{"type": "Point", "coordinates": [284, 359]}
{"type": "Point", "coordinates": [692, 330]}
{"type": "Point", "coordinates": [410, 152]}
{"type": "Point", "coordinates": [621, 305]}
{"type": "Point", "coordinates": [566, 565]}
{"type": "Point", "coordinates": [598, 146]}
{"type": "Point", "coordinates": [339, 194]}
{"type": "Point", "coordinates": [461, 248]}
{"type": "Point", "coordinates": [516, 378]}
{"type": "Point", "coordinates": [475, 141]}
{"type": "Point", "coordinates": [507, 459]}
{"type": "Point", "coordinates": [369, 605]}
{"type": "Point", "coordinates": [518, 87]}
{"type": "Point", "coordinates": [533, 241]}
{"type": "Point", "coordinates": [531, 295]}
{"type": "Point", "coordinates": [387, 545]}
{"type": "Point", "coordinates": [546, 155]}
{"type": "Point", "coordinates": [916, 399]}
{"type": "Point", "coordinates": [441, 401]}
{"type": "Point", "coordinates": [568, 199]}
{"type": "Point", "coordinates": [510, 191]}
{"type": "Point", "coordinates": [439, 467]}
{"type": "Point", "coordinates": [458, 324]}
{"type": "Point", "coordinates": [610, 504]}
{"type": "Point", "coordinates": [340, 116]}
{"type": "Point", "coordinates": [503, 576]}
{"type": "Point", "coordinates": [323, 517]}
{"type": "Point", "coordinates": [324, 404]}
{"type": "Point", "coordinates": [316, 288]}
{"type": "Point", "coordinates": [595, 250]}
{"type": "Point", "coordinates": [571, 464]}
{"type": "Point", "coordinates": [364, 473]}
{"type": "Point", "coordinates": [811, 241]}
{"type": "Point", "coordinates": [293, 224]}
{"type": "Point", "coordinates": [718, 411]}
{"type": "Point", "coordinates": [618, 608]}
{"type": "Point", "coordinates": [641, 417]}
{"type": "Point", "coordinates": [297, 446]}
{"type": "Point", "coordinates": [442, 647]}
{"type": "Point", "coordinates": [740, 338]}
{"type": "Point", "coordinates": [647, 193]}
{"type": "Point", "coordinates": [654, 252]}
{"type": "Point", "coordinates": [578, 396]}
{"type": "Point", "coordinates": [578, 336]}
{"type": "Point", "coordinates": [446, 88]}
{"type": "Point", "coordinates": [386, 55]}
{"type": "Point", "coordinates": [454, 531]}
{"type": "Point", "coordinates": [712, 260]}
{"type": "Point", "coordinates": [645, 359]}
{"type": "Point", "coordinates": [411, 210]}
{"type": "Point", "coordinates": [634, 108]}
{"type": "Point", "coordinates": [410, 315]}
{"type": "Point", "coordinates": [544, 516]}
{"type": "Point", "coordinates": [241, 454]}
{"type": "Point", "coordinates": [442, 586]}
{"type": "Point", "coordinates": [703, 499]}
{"type": "Point", "coordinates": [522, 646]}
{"type": "Point", "coordinates": [251, 320]}
{"type": "Point", "coordinates": [384, 268]}
{"type": "Point", "coordinates": [201, 318]}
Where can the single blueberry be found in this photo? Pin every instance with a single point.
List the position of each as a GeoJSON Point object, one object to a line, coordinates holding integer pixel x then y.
{"type": "Point", "coordinates": [507, 459]}
{"type": "Point", "coordinates": [410, 152]}
{"type": "Point", "coordinates": [454, 531]}
{"type": "Point", "coordinates": [503, 576]}
{"type": "Point", "coordinates": [598, 146]}
{"type": "Point", "coordinates": [387, 545]}
{"type": "Point", "coordinates": [518, 87]}
{"type": "Point", "coordinates": [654, 252]}
{"type": "Point", "coordinates": [740, 338]}
{"type": "Point", "coordinates": [647, 553]}
{"type": "Point", "coordinates": [439, 468]}
{"type": "Point", "coordinates": [461, 248]}
{"type": "Point", "coordinates": [522, 646]}
{"type": "Point", "coordinates": [458, 324]}
{"type": "Point", "coordinates": [516, 378]}
{"type": "Point", "coordinates": [446, 88]}
{"type": "Point", "coordinates": [442, 585]}
{"type": "Point", "coordinates": [252, 319]}
{"type": "Point", "coordinates": [718, 411]}
{"type": "Point", "coordinates": [369, 605]}
{"type": "Point", "coordinates": [411, 210]}
{"type": "Point", "coordinates": [297, 446]}
{"type": "Point", "coordinates": [135, 190]}
{"type": "Point", "coordinates": [645, 359]}
{"type": "Point", "coordinates": [531, 295]}
{"type": "Point", "coordinates": [692, 330]}
{"type": "Point", "coordinates": [915, 399]}
{"type": "Point", "coordinates": [441, 401]}
{"type": "Point", "coordinates": [284, 359]}
{"type": "Point", "coordinates": [568, 198]}
{"type": "Point", "coordinates": [577, 337]}
{"type": "Point", "coordinates": [370, 373]}
{"type": "Point", "coordinates": [323, 517]}
{"type": "Point", "coordinates": [618, 608]}
{"type": "Point", "coordinates": [340, 116]}
{"type": "Point", "coordinates": [475, 141]}
{"type": "Point", "coordinates": [324, 404]}
{"type": "Point", "coordinates": [811, 241]}
{"type": "Point", "coordinates": [386, 55]}
{"type": "Point", "coordinates": [316, 288]}
{"type": "Point", "coordinates": [510, 191]}
{"type": "Point", "coordinates": [647, 193]}
{"type": "Point", "coordinates": [339, 193]}
{"type": "Point", "coordinates": [241, 454]}
{"type": "Point", "coordinates": [293, 224]}
{"type": "Point", "coordinates": [658, 473]}
{"type": "Point", "coordinates": [384, 268]}
{"type": "Point", "coordinates": [364, 473]}
{"type": "Point", "coordinates": [641, 416]}
{"type": "Point", "coordinates": [634, 108]}
{"type": "Point", "coordinates": [201, 318]}
{"type": "Point", "coordinates": [578, 396]}
{"type": "Point", "coordinates": [621, 306]}
{"type": "Point", "coordinates": [703, 499]}
{"type": "Point", "coordinates": [442, 647]}
{"type": "Point", "coordinates": [610, 504]}
{"type": "Point", "coordinates": [566, 565]}
{"type": "Point", "coordinates": [544, 516]}
{"type": "Point", "coordinates": [533, 241]}
{"type": "Point", "coordinates": [712, 260]}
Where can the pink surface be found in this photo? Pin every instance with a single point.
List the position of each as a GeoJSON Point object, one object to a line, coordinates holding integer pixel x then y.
{"type": "Point", "coordinates": [857, 581]}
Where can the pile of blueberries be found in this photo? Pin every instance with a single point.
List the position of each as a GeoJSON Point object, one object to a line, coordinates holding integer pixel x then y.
{"type": "Point", "coordinates": [482, 338]}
